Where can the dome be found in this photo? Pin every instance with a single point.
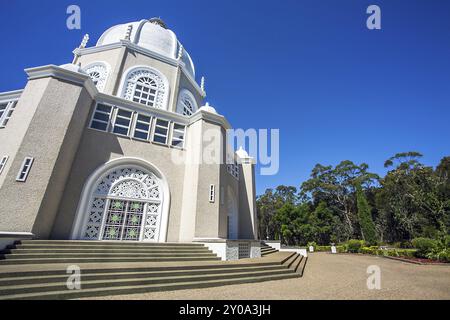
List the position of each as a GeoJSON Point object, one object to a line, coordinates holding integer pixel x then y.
{"type": "Point", "coordinates": [151, 34]}
{"type": "Point", "coordinates": [73, 67]}
{"type": "Point", "coordinates": [208, 108]}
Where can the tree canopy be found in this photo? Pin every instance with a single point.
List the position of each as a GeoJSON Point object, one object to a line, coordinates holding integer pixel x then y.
{"type": "Point", "coordinates": [346, 201]}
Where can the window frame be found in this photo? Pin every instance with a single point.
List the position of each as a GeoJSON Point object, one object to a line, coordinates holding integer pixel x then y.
{"type": "Point", "coordinates": [212, 193]}
{"type": "Point", "coordinates": [108, 123]}
{"type": "Point", "coordinates": [3, 162]}
{"type": "Point", "coordinates": [154, 133]}
{"type": "Point", "coordinates": [7, 112]}
{"type": "Point", "coordinates": [114, 122]}
{"type": "Point", "coordinates": [136, 121]}
{"type": "Point", "coordinates": [25, 169]}
{"type": "Point", "coordinates": [172, 138]}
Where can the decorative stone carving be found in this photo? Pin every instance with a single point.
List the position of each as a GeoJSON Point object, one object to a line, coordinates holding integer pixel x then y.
{"type": "Point", "coordinates": [132, 79]}
{"type": "Point", "coordinates": [98, 73]}
{"type": "Point", "coordinates": [126, 183]}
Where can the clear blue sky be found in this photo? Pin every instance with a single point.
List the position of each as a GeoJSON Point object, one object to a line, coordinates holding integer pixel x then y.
{"type": "Point", "coordinates": [312, 69]}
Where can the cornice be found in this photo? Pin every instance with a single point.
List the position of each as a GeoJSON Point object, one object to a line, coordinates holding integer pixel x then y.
{"type": "Point", "coordinates": [10, 95]}
{"type": "Point", "coordinates": [62, 74]}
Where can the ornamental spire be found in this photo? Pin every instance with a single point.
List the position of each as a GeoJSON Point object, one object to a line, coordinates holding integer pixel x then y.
{"type": "Point", "coordinates": [202, 84]}
{"type": "Point", "coordinates": [84, 41]}
{"type": "Point", "coordinates": [128, 33]}
{"type": "Point", "coordinates": [180, 52]}
{"type": "Point", "coordinates": [83, 44]}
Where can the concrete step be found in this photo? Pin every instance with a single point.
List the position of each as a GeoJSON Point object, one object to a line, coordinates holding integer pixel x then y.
{"type": "Point", "coordinates": [115, 290]}
{"type": "Point", "coordinates": [291, 261]}
{"type": "Point", "coordinates": [302, 265]}
{"type": "Point", "coordinates": [102, 247]}
{"type": "Point", "coordinates": [107, 250]}
{"type": "Point", "coordinates": [266, 253]}
{"type": "Point", "coordinates": [87, 275]}
{"type": "Point", "coordinates": [105, 255]}
{"type": "Point", "coordinates": [104, 260]}
{"type": "Point", "coordinates": [57, 269]}
{"type": "Point", "coordinates": [112, 282]}
{"type": "Point", "coordinates": [105, 243]}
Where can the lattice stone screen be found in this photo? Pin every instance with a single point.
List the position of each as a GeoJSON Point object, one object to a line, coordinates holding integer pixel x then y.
{"type": "Point", "coordinates": [140, 195]}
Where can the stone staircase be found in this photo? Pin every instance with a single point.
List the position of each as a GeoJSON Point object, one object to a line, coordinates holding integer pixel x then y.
{"type": "Point", "coordinates": [296, 262]}
{"type": "Point", "coordinates": [38, 269]}
{"type": "Point", "coordinates": [266, 250]}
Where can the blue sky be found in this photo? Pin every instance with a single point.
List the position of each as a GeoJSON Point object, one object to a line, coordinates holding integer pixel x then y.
{"type": "Point", "coordinates": [335, 89]}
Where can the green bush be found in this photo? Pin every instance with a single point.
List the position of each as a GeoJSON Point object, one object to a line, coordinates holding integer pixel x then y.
{"type": "Point", "coordinates": [323, 248]}
{"type": "Point", "coordinates": [406, 245]}
{"type": "Point", "coordinates": [447, 241]}
{"type": "Point", "coordinates": [354, 246]}
{"type": "Point", "coordinates": [367, 250]}
{"type": "Point", "coordinates": [424, 246]}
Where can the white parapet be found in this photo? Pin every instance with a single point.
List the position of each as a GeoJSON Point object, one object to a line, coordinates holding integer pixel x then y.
{"type": "Point", "coordinates": [229, 250]}
{"type": "Point", "coordinates": [276, 244]}
{"type": "Point", "coordinates": [301, 251]}
{"type": "Point", "coordinates": [8, 238]}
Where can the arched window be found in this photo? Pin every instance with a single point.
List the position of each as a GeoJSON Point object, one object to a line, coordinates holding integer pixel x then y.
{"type": "Point", "coordinates": [187, 105]}
{"type": "Point", "coordinates": [99, 73]}
{"type": "Point", "coordinates": [146, 86]}
{"type": "Point", "coordinates": [125, 205]}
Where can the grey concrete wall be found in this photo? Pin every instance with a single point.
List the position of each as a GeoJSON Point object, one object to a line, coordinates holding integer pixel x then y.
{"type": "Point", "coordinates": [11, 136]}
{"type": "Point", "coordinates": [247, 202]}
{"type": "Point", "coordinates": [97, 148]}
{"type": "Point", "coordinates": [51, 139]}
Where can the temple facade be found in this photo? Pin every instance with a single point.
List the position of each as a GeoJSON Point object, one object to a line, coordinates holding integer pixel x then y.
{"type": "Point", "coordinates": [120, 145]}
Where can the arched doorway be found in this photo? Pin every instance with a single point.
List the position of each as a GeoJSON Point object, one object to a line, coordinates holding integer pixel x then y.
{"type": "Point", "coordinates": [125, 202]}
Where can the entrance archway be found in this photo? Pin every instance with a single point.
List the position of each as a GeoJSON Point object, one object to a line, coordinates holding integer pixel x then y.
{"type": "Point", "coordinates": [124, 201]}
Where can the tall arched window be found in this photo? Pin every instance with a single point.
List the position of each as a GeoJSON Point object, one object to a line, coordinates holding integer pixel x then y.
{"type": "Point", "coordinates": [146, 86]}
{"type": "Point", "coordinates": [99, 73]}
{"type": "Point", "coordinates": [187, 105]}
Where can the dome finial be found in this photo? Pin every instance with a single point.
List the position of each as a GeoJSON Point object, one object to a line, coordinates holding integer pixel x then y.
{"type": "Point", "coordinates": [159, 22]}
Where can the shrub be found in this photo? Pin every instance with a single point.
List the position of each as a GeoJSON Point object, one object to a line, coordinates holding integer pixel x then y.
{"type": "Point", "coordinates": [424, 246]}
{"type": "Point", "coordinates": [323, 248]}
{"type": "Point", "coordinates": [354, 246]}
{"type": "Point", "coordinates": [406, 245]}
{"type": "Point", "coordinates": [447, 241]}
{"type": "Point", "coordinates": [367, 250]}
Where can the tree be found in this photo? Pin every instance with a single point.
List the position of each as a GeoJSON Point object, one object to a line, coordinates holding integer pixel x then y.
{"type": "Point", "coordinates": [368, 231]}
{"type": "Point", "coordinates": [336, 187]}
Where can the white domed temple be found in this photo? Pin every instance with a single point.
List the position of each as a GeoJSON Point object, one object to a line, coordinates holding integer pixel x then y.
{"type": "Point", "coordinates": [103, 149]}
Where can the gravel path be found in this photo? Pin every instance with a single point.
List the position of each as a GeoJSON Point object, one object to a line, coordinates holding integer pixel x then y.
{"type": "Point", "coordinates": [330, 276]}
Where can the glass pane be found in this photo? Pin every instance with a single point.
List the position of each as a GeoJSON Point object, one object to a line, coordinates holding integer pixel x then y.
{"type": "Point", "coordinates": [99, 125]}
{"type": "Point", "coordinates": [101, 116]}
{"type": "Point", "coordinates": [161, 131]}
{"type": "Point", "coordinates": [104, 108]}
{"type": "Point", "coordinates": [159, 139]}
{"type": "Point", "coordinates": [140, 135]}
{"type": "Point", "coordinates": [122, 121]}
{"type": "Point", "coordinates": [142, 126]}
{"type": "Point", "coordinates": [120, 130]}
